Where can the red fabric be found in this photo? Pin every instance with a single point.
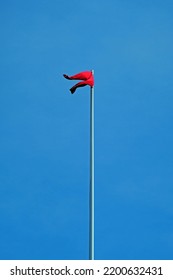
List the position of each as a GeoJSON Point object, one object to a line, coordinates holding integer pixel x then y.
{"type": "Point", "coordinates": [86, 77]}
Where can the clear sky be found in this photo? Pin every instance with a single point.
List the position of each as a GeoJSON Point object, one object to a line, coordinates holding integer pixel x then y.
{"type": "Point", "coordinates": [44, 130]}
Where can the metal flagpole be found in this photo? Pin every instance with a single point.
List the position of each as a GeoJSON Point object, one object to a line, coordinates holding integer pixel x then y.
{"type": "Point", "coordinates": [91, 195]}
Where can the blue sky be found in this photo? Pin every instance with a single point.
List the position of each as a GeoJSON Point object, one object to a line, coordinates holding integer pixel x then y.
{"type": "Point", "coordinates": [44, 143]}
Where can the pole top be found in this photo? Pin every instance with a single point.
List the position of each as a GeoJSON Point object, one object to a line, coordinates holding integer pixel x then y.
{"type": "Point", "coordinates": [92, 71]}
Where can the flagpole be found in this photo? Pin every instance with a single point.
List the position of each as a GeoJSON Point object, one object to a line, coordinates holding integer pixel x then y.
{"type": "Point", "coordinates": [91, 194]}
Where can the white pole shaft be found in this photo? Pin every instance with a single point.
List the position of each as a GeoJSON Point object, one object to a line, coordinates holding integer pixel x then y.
{"type": "Point", "coordinates": [91, 206]}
